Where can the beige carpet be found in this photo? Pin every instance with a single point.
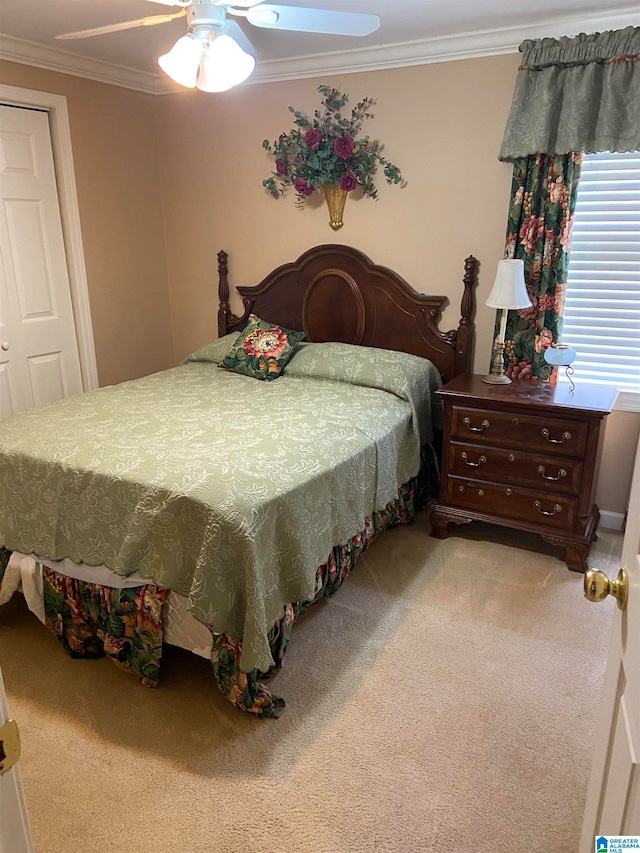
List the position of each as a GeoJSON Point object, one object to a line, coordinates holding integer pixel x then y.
{"type": "Point", "coordinates": [443, 701]}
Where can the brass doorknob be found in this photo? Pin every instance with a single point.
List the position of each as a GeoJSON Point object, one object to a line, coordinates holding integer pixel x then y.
{"type": "Point", "coordinates": [597, 586]}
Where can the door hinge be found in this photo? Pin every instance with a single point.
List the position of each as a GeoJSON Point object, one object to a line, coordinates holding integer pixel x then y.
{"type": "Point", "coordinates": [9, 746]}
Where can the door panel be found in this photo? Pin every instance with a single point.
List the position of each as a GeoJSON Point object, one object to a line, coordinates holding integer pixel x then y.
{"type": "Point", "coordinates": [39, 360]}
{"type": "Point", "coordinates": [612, 819]}
{"type": "Point", "coordinates": [9, 399]}
{"type": "Point", "coordinates": [15, 836]}
{"type": "Point", "coordinates": [31, 258]}
{"type": "Point", "coordinates": [47, 378]}
{"type": "Point", "coordinates": [613, 798]}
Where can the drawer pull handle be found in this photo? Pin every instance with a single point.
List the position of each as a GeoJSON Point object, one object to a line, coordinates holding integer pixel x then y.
{"type": "Point", "coordinates": [561, 473]}
{"type": "Point", "coordinates": [507, 492]}
{"type": "Point", "coordinates": [512, 457]}
{"type": "Point", "coordinates": [484, 425]}
{"type": "Point", "coordinates": [565, 437]}
{"type": "Point", "coordinates": [556, 508]}
{"type": "Point", "coordinates": [481, 460]}
{"type": "Point", "coordinates": [463, 489]}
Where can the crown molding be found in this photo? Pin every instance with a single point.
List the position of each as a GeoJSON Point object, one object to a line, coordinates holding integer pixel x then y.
{"type": "Point", "coordinates": [417, 52]}
{"type": "Point", "coordinates": [438, 49]}
{"type": "Point", "coordinates": [55, 59]}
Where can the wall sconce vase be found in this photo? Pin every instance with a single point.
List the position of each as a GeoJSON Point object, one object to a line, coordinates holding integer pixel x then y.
{"type": "Point", "coordinates": [336, 199]}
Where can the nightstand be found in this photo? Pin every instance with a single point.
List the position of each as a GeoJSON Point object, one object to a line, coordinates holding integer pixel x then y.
{"type": "Point", "coordinates": [524, 456]}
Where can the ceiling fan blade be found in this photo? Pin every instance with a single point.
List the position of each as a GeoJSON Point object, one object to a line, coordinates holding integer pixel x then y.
{"type": "Point", "coordinates": [233, 29]}
{"type": "Point", "coordinates": [172, 2]}
{"type": "Point", "coordinates": [123, 25]}
{"type": "Point", "coordinates": [312, 20]}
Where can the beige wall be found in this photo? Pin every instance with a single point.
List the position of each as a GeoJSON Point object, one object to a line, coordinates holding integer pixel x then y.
{"type": "Point", "coordinates": [618, 455]}
{"type": "Point", "coordinates": [114, 139]}
{"type": "Point", "coordinates": [197, 160]}
{"type": "Point", "coordinates": [442, 124]}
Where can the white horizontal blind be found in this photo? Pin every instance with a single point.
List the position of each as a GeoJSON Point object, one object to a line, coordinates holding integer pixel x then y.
{"type": "Point", "coordinates": [602, 310]}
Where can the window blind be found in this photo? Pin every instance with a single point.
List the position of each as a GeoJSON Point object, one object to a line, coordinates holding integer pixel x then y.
{"type": "Point", "coordinates": [602, 309]}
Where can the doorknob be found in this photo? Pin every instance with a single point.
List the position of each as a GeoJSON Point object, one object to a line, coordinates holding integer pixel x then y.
{"type": "Point", "coordinates": [597, 586]}
{"type": "Point", "coordinates": [5, 345]}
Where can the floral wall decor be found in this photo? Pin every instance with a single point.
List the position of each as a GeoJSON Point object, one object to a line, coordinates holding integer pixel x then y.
{"type": "Point", "coordinates": [326, 153]}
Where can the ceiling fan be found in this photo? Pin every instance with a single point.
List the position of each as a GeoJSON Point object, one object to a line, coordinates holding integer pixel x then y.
{"type": "Point", "coordinates": [215, 54]}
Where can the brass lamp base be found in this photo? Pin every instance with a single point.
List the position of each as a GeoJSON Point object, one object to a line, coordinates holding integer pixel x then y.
{"type": "Point", "coordinates": [492, 379]}
{"type": "Point", "coordinates": [497, 375]}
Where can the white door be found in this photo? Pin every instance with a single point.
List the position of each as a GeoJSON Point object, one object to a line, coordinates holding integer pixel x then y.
{"type": "Point", "coordinates": [613, 799]}
{"type": "Point", "coordinates": [39, 360]}
{"type": "Point", "coordinates": [14, 826]}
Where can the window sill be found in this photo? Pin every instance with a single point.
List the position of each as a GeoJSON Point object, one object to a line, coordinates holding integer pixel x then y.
{"type": "Point", "coordinates": [628, 401]}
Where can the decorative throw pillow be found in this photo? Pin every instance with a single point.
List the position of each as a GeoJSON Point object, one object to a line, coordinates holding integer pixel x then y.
{"type": "Point", "coordinates": [262, 350]}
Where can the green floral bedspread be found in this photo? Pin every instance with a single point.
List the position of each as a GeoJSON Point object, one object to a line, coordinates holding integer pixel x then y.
{"type": "Point", "coordinates": [228, 490]}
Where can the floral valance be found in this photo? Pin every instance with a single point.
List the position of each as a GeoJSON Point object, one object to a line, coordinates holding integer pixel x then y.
{"type": "Point", "coordinates": [577, 94]}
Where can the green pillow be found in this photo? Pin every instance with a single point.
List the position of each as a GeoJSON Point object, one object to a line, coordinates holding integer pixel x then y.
{"type": "Point", "coordinates": [262, 349]}
{"type": "Point", "coordinates": [214, 351]}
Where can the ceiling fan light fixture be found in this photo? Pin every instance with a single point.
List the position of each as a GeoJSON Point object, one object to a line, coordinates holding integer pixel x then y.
{"type": "Point", "coordinates": [183, 60]}
{"type": "Point", "coordinates": [224, 64]}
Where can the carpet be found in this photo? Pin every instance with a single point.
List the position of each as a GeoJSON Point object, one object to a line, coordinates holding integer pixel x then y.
{"type": "Point", "coordinates": [443, 700]}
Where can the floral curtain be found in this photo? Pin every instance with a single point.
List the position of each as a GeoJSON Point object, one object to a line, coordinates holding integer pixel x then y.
{"type": "Point", "coordinates": [543, 199]}
{"type": "Point", "coordinates": [572, 95]}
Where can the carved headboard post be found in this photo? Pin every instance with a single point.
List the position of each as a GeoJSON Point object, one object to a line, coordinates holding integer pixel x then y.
{"type": "Point", "coordinates": [223, 294]}
{"type": "Point", "coordinates": [464, 337]}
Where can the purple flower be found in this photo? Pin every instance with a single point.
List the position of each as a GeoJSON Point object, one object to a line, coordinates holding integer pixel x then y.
{"type": "Point", "coordinates": [302, 186]}
{"type": "Point", "coordinates": [313, 138]}
{"type": "Point", "coordinates": [348, 182]}
{"type": "Point", "coordinates": [281, 167]}
{"type": "Point", "coordinates": [343, 146]}
{"type": "Point", "coordinates": [282, 138]}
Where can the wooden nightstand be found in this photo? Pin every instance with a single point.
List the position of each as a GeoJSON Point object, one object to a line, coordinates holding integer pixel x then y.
{"type": "Point", "coordinates": [525, 456]}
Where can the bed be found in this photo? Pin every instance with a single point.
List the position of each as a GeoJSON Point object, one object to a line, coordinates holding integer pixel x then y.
{"type": "Point", "coordinates": [203, 508]}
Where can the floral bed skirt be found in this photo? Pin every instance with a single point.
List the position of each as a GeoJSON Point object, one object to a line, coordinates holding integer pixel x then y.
{"type": "Point", "coordinates": [91, 620]}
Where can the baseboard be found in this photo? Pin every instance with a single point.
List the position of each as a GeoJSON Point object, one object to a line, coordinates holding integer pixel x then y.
{"type": "Point", "coordinates": [611, 520]}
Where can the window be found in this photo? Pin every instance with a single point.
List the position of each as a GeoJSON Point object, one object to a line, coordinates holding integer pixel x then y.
{"type": "Point", "coordinates": [602, 310]}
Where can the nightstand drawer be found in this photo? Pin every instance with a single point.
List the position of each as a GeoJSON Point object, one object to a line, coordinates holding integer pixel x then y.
{"type": "Point", "coordinates": [514, 467]}
{"type": "Point", "coordinates": [534, 507]}
{"type": "Point", "coordinates": [537, 434]}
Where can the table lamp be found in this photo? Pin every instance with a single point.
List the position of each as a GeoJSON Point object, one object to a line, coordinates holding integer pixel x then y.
{"type": "Point", "coordinates": [509, 292]}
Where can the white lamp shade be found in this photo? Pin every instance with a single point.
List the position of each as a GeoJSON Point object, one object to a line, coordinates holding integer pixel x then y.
{"type": "Point", "coordinates": [509, 289]}
{"type": "Point", "coordinates": [182, 61]}
{"type": "Point", "coordinates": [224, 65]}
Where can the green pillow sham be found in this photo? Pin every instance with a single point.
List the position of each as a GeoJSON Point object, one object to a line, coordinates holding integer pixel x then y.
{"type": "Point", "coordinates": [214, 351]}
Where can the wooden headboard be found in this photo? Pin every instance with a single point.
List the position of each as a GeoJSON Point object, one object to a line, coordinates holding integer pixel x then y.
{"type": "Point", "coordinates": [335, 293]}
